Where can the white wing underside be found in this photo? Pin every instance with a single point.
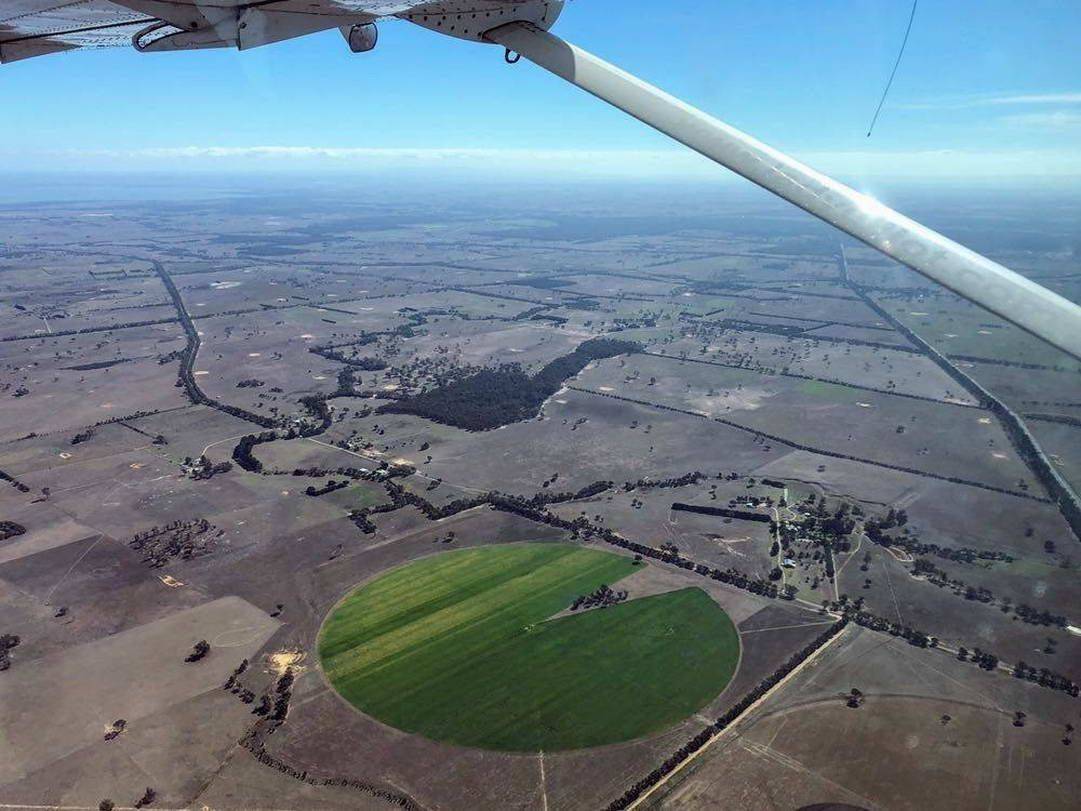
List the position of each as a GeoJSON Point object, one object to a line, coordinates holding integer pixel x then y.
{"type": "Point", "coordinates": [37, 27]}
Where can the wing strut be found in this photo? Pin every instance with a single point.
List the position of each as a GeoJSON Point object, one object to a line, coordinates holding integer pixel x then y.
{"type": "Point", "coordinates": [1021, 301]}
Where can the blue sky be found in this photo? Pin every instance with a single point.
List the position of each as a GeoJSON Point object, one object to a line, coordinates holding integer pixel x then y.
{"type": "Point", "coordinates": [988, 89]}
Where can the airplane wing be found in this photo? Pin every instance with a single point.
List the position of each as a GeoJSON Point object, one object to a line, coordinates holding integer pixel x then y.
{"type": "Point", "coordinates": [36, 27]}
{"type": "Point", "coordinates": [1000, 290]}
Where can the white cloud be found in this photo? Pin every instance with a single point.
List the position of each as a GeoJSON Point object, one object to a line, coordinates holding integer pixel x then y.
{"type": "Point", "coordinates": [989, 100]}
{"type": "Point", "coordinates": [552, 164]}
{"type": "Point", "coordinates": [1051, 121]}
{"type": "Point", "coordinates": [949, 164]}
{"type": "Point", "coordinates": [1038, 98]}
{"type": "Point", "coordinates": [572, 162]}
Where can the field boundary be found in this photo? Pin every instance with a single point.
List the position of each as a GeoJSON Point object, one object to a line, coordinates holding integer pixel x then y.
{"type": "Point", "coordinates": [736, 721]}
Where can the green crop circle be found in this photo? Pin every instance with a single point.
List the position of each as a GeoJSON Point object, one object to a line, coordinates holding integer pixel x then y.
{"type": "Point", "coordinates": [465, 647]}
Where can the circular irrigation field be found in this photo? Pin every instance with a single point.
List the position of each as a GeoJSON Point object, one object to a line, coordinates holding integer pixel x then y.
{"type": "Point", "coordinates": [463, 647]}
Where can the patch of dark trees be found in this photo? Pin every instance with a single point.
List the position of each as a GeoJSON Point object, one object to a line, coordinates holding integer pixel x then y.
{"type": "Point", "coordinates": [205, 469]}
{"type": "Point", "coordinates": [198, 652]}
{"type": "Point", "coordinates": [1046, 678]}
{"type": "Point", "coordinates": [1014, 364]}
{"type": "Point", "coordinates": [853, 611]}
{"type": "Point", "coordinates": [964, 554]}
{"type": "Point", "coordinates": [542, 282]}
{"type": "Point", "coordinates": [347, 381]}
{"type": "Point", "coordinates": [100, 364]}
{"type": "Point", "coordinates": [1038, 616]}
{"type": "Point", "coordinates": [400, 497]}
{"type": "Point", "coordinates": [177, 539]}
{"type": "Point", "coordinates": [18, 485]}
{"type": "Point", "coordinates": [748, 326]}
{"type": "Point", "coordinates": [83, 436]}
{"type": "Point", "coordinates": [316, 405]}
{"type": "Point", "coordinates": [591, 490]}
{"type": "Point", "coordinates": [981, 594]}
{"type": "Point", "coordinates": [601, 598]}
{"type": "Point", "coordinates": [10, 529]}
{"type": "Point", "coordinates": [495, 397]}
{"type": "Point", "coordinates": [329, 487]}
{"type": "Point", "coordinates": [987, 661]}
{"type": "Point", "coordinates": [730, 716]}
{"type": "Point", "coordinates": [272, 709]}
{"type": "Point", "coordinates": [118, 726]}
{"type": "Point", "coordinates": [8, 643]}
{"type": "Point", "coordinates": [238, 671]}
{"type": "Point", "coordinates": [1062, 419]}
{"type": "Point", "coordinates": [552, 319]}
{"type": "Point", "coordinates": [675, 481]}
{"type": "Point", "coordinates": [724, 512]}
{"type": "Point", "coordinates": [242, 453]}
{"type": "Point", "coordinates": [250, 383]}
{"type": "Point", "coordinates": [366, 364]}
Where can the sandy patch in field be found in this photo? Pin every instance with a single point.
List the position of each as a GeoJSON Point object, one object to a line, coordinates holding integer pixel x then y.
{"type": "Point", "coordinates": [224, 285]}
{"type": "Point", "coordinates": [281, 661]}
{"type": "Point", "coordinates": [200, 374]}
{"type": "Point", "coordinates": [984, 420]}
{"type": "Point", "coordinates": [748, 398]}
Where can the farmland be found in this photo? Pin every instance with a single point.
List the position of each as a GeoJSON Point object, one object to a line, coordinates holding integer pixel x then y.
{"type": "Point", "coordinates": [316, 491]}
{"type": "Point", "coordinates": [462, 648]}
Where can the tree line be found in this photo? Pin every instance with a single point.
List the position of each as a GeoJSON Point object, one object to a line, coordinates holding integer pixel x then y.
{"type": "Point", "coordinates": [731, 715]}
{"type": "Point", "coordinates": [818, 451]}
{"type": "Point", "coordinates": [18, 485]}
{"type": "Point", "coordinates": [10, 529]}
